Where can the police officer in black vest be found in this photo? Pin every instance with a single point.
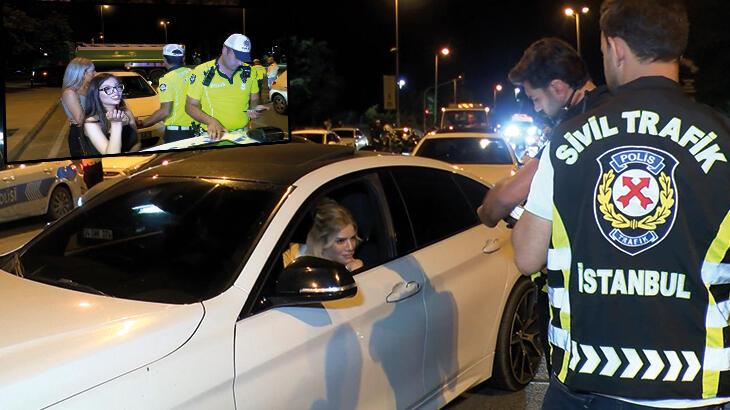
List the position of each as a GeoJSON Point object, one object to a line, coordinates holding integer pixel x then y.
{"type": "Point", "coordinates": [633, 197]}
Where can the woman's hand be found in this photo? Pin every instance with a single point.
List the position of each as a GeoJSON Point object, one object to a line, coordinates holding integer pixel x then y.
{"type": "Point", "coordinates": [354, 265]}
{"type": "Point", "coordinates": [116, 115]}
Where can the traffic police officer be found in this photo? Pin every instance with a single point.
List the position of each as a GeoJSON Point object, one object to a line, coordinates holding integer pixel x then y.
{"type": "Point", "coordinates": [639, 275]}
{"type": "Point", "coordinates": [173, 93]}
{"type": "Point", "coordinates": [259, 73]}
{"type": "Point", "coordinates": [222, 90]}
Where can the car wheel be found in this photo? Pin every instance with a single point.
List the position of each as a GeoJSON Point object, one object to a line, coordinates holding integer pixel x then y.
{"type": "Point", "coordinates": [518, 352]}
{"type": "Point", "coordinates": [279, 103]}
{"type": "Point", "coordinates": [60, 203]}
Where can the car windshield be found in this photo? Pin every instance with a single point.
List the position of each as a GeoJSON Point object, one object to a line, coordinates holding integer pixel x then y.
{"type": "Point", "coordinates": [314, 137]}
{"type": "Point", "coordinates": [167, 240]}
{"type": "Point", "coordinates": [467, 150]}
{"type": "Point", "coordinates": [136, 87]}
{"type": "Point", "coordinates": [465, 119]}
{"type": "Point", "coordinates": [344, 133]}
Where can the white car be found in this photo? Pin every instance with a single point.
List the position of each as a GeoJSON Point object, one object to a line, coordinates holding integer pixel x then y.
{"type": "Point", "coordinates": [351, 136]}
{"type": "Point", "coordinates": [43, 188]}
{"type": "Point", "coordinates": [483, 154]}
{"type": "Point", "coordinates": [320, 136]}
{"type": "Point", "coordinates": [143, 101]}
{"type": "Point", "coordinates": [168, 290]}
{"type": "Point", "coordinates": [278, 93]}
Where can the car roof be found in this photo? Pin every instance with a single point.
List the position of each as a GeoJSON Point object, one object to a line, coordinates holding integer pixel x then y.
{"type": "Point", "coordinates": [280, 164]}
{"type": "Point", "coordinates": [123, 73]}
{"type": "Point", "coordinates": [311, 131]}
{"type": "Point", "coordinates": [475, 134]}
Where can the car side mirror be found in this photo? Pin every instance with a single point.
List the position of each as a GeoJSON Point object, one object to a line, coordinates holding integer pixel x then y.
{"type": "Point", "coordinates": [311, 280]}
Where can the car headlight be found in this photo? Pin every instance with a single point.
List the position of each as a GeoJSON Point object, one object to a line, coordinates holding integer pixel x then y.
{"type": "Point", "coordinates": [512, 131]}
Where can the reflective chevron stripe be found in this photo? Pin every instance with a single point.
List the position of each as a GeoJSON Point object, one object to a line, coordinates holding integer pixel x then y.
{"type": "Point", "coordinates": [585, 359]}
{"type": "Point", "coordinates": [558, 259]}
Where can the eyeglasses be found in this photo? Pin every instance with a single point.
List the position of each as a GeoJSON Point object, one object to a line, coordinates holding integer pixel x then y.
{"type": "Point", "coordinates": [109, 90]}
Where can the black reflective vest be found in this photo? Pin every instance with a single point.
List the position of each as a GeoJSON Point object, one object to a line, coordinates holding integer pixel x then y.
{"type": "Point", "coordinates": [641, 231]}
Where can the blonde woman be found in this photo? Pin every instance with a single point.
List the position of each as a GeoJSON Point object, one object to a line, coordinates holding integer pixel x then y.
{"type": "Point", "coordinates": [333, 235]}
{"type": "Point", "coordinates": [76, 78]}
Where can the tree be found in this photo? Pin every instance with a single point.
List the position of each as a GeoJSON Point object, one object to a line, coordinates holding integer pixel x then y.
{"type": "Point", "coordinates": [313, 84]}
{"type": "Point", "coordinates": [35, 35]}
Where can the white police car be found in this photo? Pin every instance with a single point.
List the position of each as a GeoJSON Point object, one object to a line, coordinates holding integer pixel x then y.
{"type": "Point", "coordinates": [49, 188]}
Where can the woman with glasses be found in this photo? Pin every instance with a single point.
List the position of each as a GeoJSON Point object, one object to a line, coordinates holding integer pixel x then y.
{"type": "Point", "coordinates": [76, 78]}
{"type": "Point", "coordinates": [109, 125]}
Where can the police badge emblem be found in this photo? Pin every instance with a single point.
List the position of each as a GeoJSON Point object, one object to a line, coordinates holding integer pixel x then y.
{"type": "Point", "coordinates": [192, 78]}
{"type": "Point", "coordinates": [636, 197]}
{"type": "Point", "coordinates": [163, 87]}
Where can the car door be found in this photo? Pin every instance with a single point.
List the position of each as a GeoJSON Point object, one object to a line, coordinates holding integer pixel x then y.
{"type": "Point", "coordinates": [465, 267]}
{"type": "Point", "coordinates": [8, 193]}
{"type": "Point", "coordinates": [31, 184]}
{"type": "Point", "coordinates": [361, 352]}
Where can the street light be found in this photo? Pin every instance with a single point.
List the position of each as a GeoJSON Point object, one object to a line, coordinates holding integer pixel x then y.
{"type": "Point", "coordinates": [497, 88]}
{"type": "Point", "coordinates": [401, 83]}
{"type": "Point", "coordinates": [397, 67]}
{"type": "Point", "coordinates": [444, 51]}
{"type": "Point", "coordinates": [570, 13]}
{"type": "Point", "coordinates": [101, 12]}
{"type": "Point", "coordinates": [164, 24]}
{"type": "Point", "coordinates": [455, 80]}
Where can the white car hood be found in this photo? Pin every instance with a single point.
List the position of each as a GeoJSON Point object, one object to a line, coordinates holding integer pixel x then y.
{"type": "Point", "coordinates": [56, 342]}
{"type": "Point", "coordinates": [489, 173]}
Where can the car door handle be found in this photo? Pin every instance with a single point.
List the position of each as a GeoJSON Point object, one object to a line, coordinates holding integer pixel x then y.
{"type": "Point", "coordinates": [402, 291]}
{"type": "Point", "coordinates": [492, 245]}
{"type": "Point", "coordinates": [10, 178]}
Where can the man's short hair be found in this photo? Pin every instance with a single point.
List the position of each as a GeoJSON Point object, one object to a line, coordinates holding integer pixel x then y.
{"type": "Point", "coordinates": [550, 59]}
{"type": "Point", "coordinates": [174, 60]}
{"type": "Point", "coordinates": [656, 30]}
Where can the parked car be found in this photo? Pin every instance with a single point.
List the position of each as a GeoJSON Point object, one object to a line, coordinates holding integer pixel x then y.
{"type": "Point", "coordinates": [483, 154]}
{"type": "Point", "coordinates": [117, 166]}
{"type": "Point", "coordinates": [351, 136]}
{"type": "Point", "coordinates": [42, 188]}
{"type": "Point", "coordinates": [169, 289]}
{"type": "Point", "coordinates": [320, 136]}
{"type": "Point", "coordinates": [143, 100]}
{"type": "Point", "coordinates": [278, 93]}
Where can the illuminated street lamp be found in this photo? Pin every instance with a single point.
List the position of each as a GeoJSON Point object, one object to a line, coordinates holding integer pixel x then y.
{"type": "Point", "coordinates": [164, 24]}
{"type": "Point", "coordinates": [573, 13]}
{"type": "Point", "coordinates": [497, 88]}
{"type": "Point", "coordinates": [401, 83]}
{"type": "Point", "coordinates": [445, 52]}
{"type": "Point", "coordinates": [101, 12]}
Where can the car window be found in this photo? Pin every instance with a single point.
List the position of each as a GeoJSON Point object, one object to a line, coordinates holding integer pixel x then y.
{"type": "Point", "coordinates": [404, 240]}
{"type": "Point", "coordinates": [467, 150]}
{"type": "Point", "coordinates": [314, 137]}
{"type": "Point", "coordinates": [473, 190]}
{"type": "Point", "coordinates": [169, 240]}
{"type": "Point", "coordinates": [344, 133]}
{"type": "Point", "coordinates": [136, 87]}
{"type": "Point", "coordinates": [359, 196]}
{"type": "Point", "coordinates": [436, 205]}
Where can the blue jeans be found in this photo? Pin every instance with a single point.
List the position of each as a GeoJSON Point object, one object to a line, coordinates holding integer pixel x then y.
{"type": "Point", "coordinates": [559, 397]}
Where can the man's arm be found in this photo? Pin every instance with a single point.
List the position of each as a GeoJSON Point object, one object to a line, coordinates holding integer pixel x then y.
{"type": "Point", "coordinates": [530, 239]}
{"type": "Point", "coordinates": [507, 194]}
{"type": "Point", "coordinates": [157, 116]}
{"type": "Point", "coordinates": [215, 128]}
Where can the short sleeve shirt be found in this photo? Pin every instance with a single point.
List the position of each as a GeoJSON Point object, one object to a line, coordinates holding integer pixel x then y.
{"type": "Point", "coordinates": [174, 89]}
{"type": "Point", "coordinates": [225, 99]}
{"type": "Point", "coordinates": [540, 198]}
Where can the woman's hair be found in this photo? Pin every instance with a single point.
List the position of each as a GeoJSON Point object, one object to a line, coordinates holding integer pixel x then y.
{"type": "Point", "coordinates": [329, 219]}
{"type": "Point", "coordinates": [94, 107]}
{"type": "Point", "coordinates": [73, 77]}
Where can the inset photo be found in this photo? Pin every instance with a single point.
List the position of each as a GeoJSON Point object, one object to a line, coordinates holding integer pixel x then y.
{"type": "Point", "coordinates": [89, 80]}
